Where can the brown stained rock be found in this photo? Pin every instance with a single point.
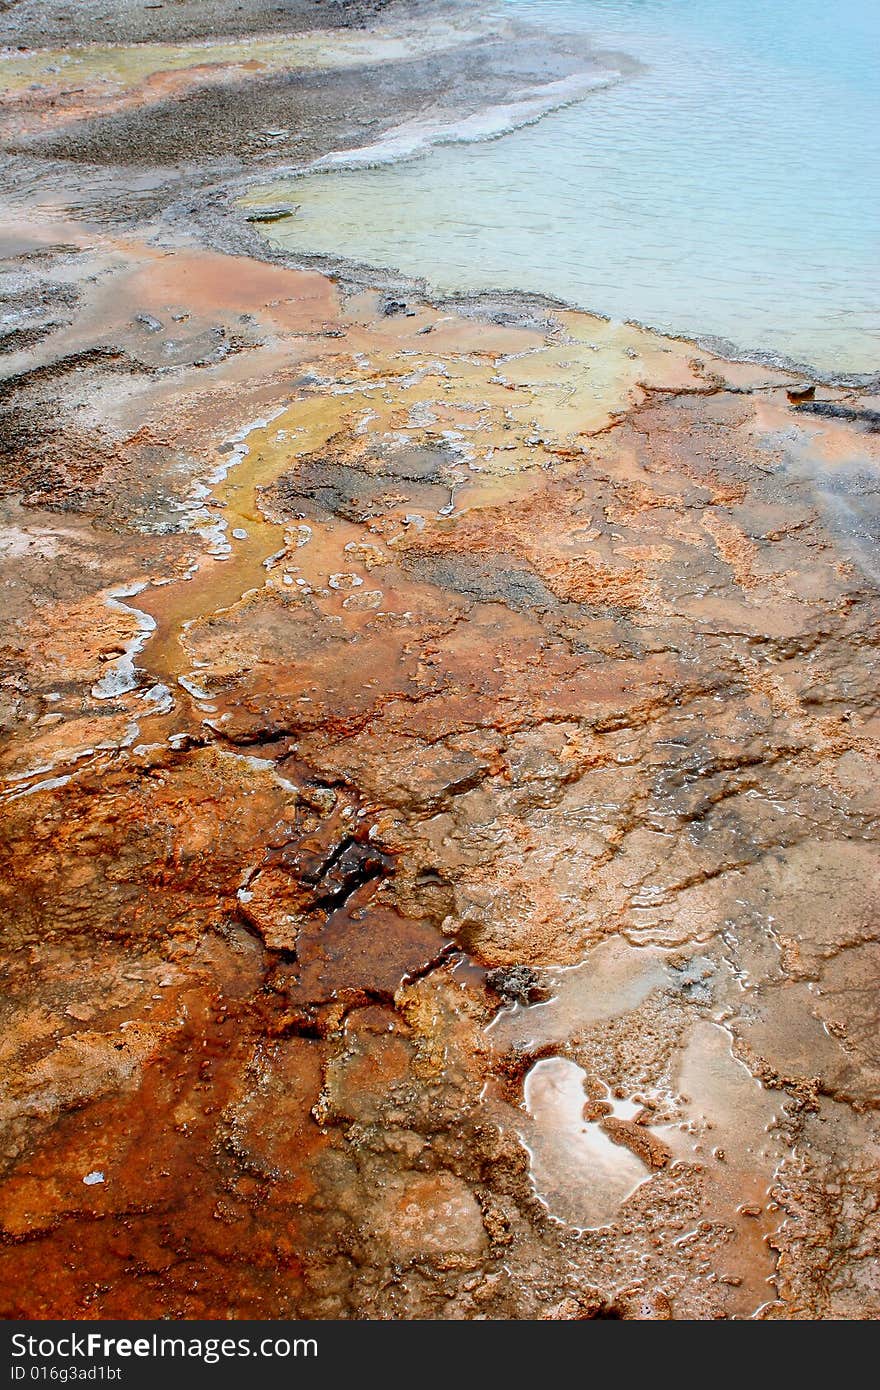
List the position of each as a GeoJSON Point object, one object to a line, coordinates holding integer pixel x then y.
{"type": "Point", "coordinates": [150, 855]}
{"type": "Point", "coordinates": [361, 952]}
{"type": "Point", "coordinates": [275, 905]}
{"type": "Point", "coordinates": [429, 1216]}
{"type": "Point", "coordinates": [272, 1130]}
{"type": "Point", "coordinates": [368, 1081]}
{"type": "Point", "coordinates": [585, 1304]}
{"type": "Point", "coordinates": [639, 1139]}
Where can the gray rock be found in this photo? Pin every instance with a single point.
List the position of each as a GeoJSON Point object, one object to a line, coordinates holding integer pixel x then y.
{"type": "Point", "coordinates": [152, 325]}
{"type": "Point", "coordinates": [274, 213]}
{"type": "Point", "coordinates": [803, 391]}
{"type": "Point", "coordinates": [519, 983]}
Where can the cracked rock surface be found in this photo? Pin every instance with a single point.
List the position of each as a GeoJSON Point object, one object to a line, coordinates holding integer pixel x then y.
{"type": "Point", "coordinates": [439, 755]}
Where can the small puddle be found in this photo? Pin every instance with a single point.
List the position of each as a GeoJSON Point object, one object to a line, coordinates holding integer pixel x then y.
{"type": "Point", "coordinates": [580, 1175]}
{"type": "Point", "coordinates": [726, 1122]}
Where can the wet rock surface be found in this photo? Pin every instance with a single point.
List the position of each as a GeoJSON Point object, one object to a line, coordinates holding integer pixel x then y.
{"type": "Point", "coordinates": [439, 753]}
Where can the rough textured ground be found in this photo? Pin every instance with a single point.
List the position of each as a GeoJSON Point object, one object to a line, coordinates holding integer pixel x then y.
{"type": "Point", "coordinates": [44, 23]}
{"type": "Point", "coordinates": [440, 757]}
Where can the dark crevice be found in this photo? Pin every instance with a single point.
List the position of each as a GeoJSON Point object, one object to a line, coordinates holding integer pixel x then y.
{"type": "Point", "coordinates": [333, 858]}
{"type": "Point", "coordinates": [833, 410]}
{"type": "Point", "coordinates": [449, 948]}
{"type": "Point", "coordinates": [333, 902]}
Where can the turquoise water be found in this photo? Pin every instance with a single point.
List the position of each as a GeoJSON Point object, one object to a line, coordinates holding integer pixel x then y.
{"type": "Point", "coordinates": [729, 190]}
